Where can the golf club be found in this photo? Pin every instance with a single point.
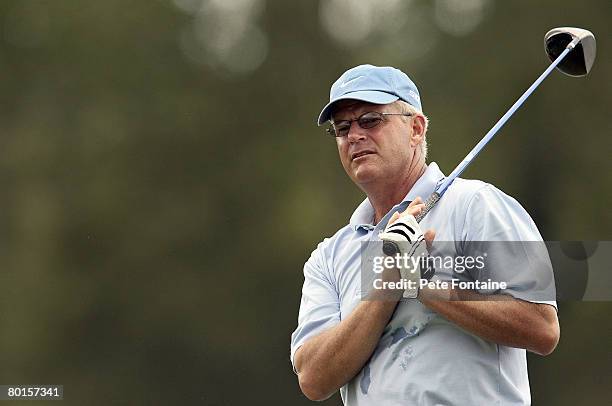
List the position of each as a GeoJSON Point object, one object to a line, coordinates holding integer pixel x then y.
{"type": "Point", "coordinates": [572, 51]}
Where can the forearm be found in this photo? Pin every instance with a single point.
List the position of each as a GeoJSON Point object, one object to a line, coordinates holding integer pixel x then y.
{"type": "Point", "coordinates": [328, 361]}
{"type": "Point", "coordinates": [498, 318]}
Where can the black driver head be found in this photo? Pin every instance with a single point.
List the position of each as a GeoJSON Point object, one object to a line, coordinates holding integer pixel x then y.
{"type": "Point", "coordinates": [579, 60]}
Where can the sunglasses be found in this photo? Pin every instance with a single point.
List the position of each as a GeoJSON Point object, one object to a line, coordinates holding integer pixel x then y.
{"type": "Point", "coordinates": [366, 121]}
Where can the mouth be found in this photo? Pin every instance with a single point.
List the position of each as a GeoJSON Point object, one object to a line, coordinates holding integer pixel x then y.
{"type": "Point", "coordinates": [357, 155]}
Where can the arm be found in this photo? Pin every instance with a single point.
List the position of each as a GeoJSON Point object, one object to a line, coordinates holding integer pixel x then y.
{"type": "Point", "coordinates": [327, 361]}
{"type": "Point", "coordinates": [510, 318]}
{"type": "Point", "coordinates": [498, 318]}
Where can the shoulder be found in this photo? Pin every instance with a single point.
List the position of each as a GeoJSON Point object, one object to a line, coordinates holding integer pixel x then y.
{"type": "Point", "coordinates": [329, 246]}
{"type": "Point", "coordinates": [458, 199]}
{"type": "Point", "coordinates": [472, 193]}
{"type": "Point", "coordinates": [489, 213]}
{"type": "Point", "coordinates": [464, 190]}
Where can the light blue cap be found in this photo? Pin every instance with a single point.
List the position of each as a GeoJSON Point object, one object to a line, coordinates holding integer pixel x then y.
{"type": "Point", "coordinates": [372, 84]}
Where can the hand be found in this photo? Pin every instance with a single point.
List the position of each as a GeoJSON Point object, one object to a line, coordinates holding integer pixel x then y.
{"type": "Point", "coordinates": [403, 237]}
{"type": "Point", "coordinates": [414, 208]}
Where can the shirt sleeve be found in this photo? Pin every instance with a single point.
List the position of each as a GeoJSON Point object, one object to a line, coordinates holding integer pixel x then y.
{"type": "Point", "coordinates": [499, 228]}
{"type": "Point", "coordinates": [320, 304]}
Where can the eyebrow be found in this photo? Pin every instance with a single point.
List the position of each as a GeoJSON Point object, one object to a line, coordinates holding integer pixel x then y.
{"type": "Point", "coordinates": [351, 107]}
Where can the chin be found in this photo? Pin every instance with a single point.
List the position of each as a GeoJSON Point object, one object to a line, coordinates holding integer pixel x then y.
{"type": "Point", "coordinates": [365, 175]}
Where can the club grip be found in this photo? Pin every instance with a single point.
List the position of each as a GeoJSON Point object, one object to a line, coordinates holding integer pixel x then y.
{"type": "Point", "coordinates": [429, 204]}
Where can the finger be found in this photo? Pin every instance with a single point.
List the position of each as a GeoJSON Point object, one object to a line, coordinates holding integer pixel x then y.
{"type": "Point", "coordinates": [394, 217]}
{"type": "Point", "coordinates": [429, 236]}
{"type": "Point", "coordinates": [416, 201]}
{"type": "Point", "coordinates": [414, 210]}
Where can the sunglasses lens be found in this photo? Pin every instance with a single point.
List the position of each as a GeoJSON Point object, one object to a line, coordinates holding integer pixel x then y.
{"type": "Point", "coordinates": [369, 120]}
{"type": "Point", "coordinates": [342, 128]}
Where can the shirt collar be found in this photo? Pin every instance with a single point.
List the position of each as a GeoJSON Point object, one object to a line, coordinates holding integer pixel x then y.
{"type": "Point", "coordinates": [363, 216]}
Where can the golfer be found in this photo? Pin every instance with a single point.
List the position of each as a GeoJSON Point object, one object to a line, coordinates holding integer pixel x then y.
{"type": "Point", "coordinates": [445, 346]}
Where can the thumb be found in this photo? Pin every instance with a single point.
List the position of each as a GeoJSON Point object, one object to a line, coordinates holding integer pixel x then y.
{"type": "Point", "coordinates": [394, 217]}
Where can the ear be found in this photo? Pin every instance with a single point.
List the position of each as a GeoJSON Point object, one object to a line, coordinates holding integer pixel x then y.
{"type": "Point", "coordinates": [418, 130]}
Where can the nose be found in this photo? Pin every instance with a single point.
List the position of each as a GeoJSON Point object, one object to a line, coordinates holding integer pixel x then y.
{"type": "Point", "coordinates": [355, 133]}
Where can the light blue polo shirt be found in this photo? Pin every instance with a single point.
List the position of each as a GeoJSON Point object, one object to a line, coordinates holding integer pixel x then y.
{"type": "Point", "coordinates": [422, 358]}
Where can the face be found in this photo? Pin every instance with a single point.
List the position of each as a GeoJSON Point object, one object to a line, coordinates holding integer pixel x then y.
{"type": "Point", "coordinates": [382, 153]}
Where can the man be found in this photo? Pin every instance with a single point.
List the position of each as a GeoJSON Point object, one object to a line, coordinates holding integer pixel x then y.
{"type": "Point", "coordinates": [469, 350]}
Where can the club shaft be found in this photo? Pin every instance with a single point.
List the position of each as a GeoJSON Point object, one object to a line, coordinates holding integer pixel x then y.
{"type": "Point", "coordinates": [435, 197]}
{"type": "Point", "coordinates": [493, 131]}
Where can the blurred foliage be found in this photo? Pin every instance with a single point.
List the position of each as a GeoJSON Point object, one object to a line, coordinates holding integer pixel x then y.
{"type": "Point", "coordinates": [163, 179]}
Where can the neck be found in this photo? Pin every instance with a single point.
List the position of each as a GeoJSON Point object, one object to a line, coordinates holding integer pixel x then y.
{"type": "Point", "coordinates": [386, 194]}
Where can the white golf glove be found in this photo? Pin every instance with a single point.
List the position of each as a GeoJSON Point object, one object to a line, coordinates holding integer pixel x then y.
{"type": "Point", "coordinates": [405, 237]}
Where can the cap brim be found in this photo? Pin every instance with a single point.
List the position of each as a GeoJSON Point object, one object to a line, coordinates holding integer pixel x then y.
{"type": "Point", "coordinates": [370, 96]}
